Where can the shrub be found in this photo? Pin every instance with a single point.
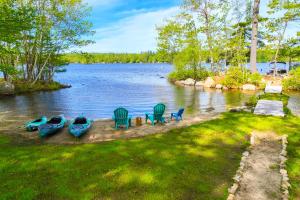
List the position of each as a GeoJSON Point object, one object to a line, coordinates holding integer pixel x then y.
{"type": "Point", "coordinates": [26, 87]}
{"type": "Point", "coordinates": [252, 101]}
{"type": "Point", "coordinates": [255, 79]}
{"type": "Point", "coordinates": [293, 81]}
{"type": "Point", "coordinates": [185, 74]}
{"type": "Point", "coordinates": [235, 77]}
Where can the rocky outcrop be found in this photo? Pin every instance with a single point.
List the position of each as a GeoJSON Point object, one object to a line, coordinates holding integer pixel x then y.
{"type": "Point", "coordinates": [180, 83]}
{"type": "Point", "coordinates": [200, 84]}
{"type": "Point", "coordinates": [249, 87]}
{"type": "Point", "coordinates": [240, 109]}
{"type": "Point", "coordinates": [209, 82]}
{"type": "Point", "coordinates": [273, 89]}
{"type": "Point", "coordinates": [7, 88]}
{"type": "Point", "coordinates": [189, 81]}
{"type": "Point", "coordinates": [219, 86]}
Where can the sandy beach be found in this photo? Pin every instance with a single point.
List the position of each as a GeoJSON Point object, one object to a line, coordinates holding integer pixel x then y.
{"type": "Point", "coordinates": [102, 130]}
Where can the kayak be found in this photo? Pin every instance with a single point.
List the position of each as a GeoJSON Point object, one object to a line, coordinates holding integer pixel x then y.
{"type": "Point", "coordinates": [34, 125]}
{"type": "Point", "coordinates": [79, 126]}
{"type": "Point", "coordinates": [52, 126]}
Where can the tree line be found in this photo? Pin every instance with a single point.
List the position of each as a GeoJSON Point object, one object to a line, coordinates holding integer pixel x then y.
{"type": "Point", "coordinates": [286, 54]}
{"type": "Point", "coordinates": [89, 58]}
{"type": "Point", "coordinates": [35, 33]}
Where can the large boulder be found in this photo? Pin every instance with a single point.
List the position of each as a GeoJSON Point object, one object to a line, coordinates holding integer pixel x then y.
{"type": "Point", "coordinates": [200, 84]}
{"type": "Point", "coordinates": [209, 82]}
{"type": "Point", "coordinates": [249, 87]}
{"type": "Point", "coordinates": [189, 81]}
{"type": "Point", "coordinates": [219, 86]}
{"type": "Point", "coordinates": [273, 89]}
{"type": "Point", "coordinates": [7, 88]}
{"type": "Point", "coordinates": [180, 83]}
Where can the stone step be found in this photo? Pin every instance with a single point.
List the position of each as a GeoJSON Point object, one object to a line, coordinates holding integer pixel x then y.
{"type": "Point", "coordinates": [269, 107]}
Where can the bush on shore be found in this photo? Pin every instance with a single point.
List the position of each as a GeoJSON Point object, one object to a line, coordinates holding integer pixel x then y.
{"type": "Point", "coordinates": [185, 74]}
{"type": "Point", "coordinates": [22, 86]}
{"type": "Point", "coordinates": [235, 77]}
{"type": "Point", "coordinates": [255, 79]}
{"type": "Point", "coordinates": [293, 81]}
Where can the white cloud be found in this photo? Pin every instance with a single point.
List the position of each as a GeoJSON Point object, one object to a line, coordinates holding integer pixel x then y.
{"type": "Point", "coordinates": [132, 34]}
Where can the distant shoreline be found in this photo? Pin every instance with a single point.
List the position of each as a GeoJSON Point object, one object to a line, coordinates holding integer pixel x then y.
{"type": "Point", "coordinates": [119, 63]}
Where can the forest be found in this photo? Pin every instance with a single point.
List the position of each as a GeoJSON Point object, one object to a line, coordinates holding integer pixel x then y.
{"type": "Point", "coordinates": [89, 58]}
{"type": "Point", "coordinates": [263, 55]}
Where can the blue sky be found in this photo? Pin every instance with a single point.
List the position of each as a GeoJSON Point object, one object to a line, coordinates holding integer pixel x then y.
{"type": "Point", "coordinates": [129, 25]}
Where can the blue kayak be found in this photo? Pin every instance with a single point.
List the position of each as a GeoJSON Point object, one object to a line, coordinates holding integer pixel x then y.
{"type": "Point", "coordinates": [79, 126]}
{"type": "Point", "coordinates": [52, 126]}
{"type": "Point", "coordinates": [34, 125]}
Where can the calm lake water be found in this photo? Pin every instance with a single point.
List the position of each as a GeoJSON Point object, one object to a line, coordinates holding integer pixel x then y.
{"type": "Point", "coordinates": [98, 89]}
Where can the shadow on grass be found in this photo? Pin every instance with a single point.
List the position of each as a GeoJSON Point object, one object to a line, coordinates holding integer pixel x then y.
{"type": "Point", "coordinates": [197, 162]}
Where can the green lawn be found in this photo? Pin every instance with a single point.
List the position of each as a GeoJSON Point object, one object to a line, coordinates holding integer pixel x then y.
{"type": "Point", "coordinates": [192, 163]}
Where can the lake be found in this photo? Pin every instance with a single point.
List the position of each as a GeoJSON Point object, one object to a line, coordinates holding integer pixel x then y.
{"type": "Point", "coordinates": [98, 89]}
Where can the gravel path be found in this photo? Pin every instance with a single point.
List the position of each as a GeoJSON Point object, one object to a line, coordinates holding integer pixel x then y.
{"type": "Point", "coordinates": [262, 179]}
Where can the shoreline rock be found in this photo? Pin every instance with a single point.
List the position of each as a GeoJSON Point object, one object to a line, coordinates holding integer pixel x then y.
{"type": "Point", "coordinates": [216, 83]}
{"type": "Point", "coordinates": [7, 88]}
{"type": "Point", "coordinates": [250, 87]}
{"type": "Point", "coordinates": [200, 84]}
{"type": "Point", "coordinates": [219, 86]}
{"type": "Point", "coordinates": [209, 82]}
{"type": "Point", "coordinates": [189, 81]}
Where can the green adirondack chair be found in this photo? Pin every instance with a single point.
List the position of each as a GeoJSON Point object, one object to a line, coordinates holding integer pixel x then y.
{"type": "Point", "coordinates": [157, 115]}
{"type": "Point", "coordinates": [121, 118]}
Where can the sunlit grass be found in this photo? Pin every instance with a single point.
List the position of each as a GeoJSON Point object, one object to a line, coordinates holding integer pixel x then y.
{"type": "Point", "coordinates": [26, 87]}
{"type": "Point", "coordinates": [191, 163]}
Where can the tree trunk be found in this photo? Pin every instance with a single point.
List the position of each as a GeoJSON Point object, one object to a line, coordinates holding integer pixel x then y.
{"type": "Point", "coordinates": [290, 63]}
{"type": "Point", "coordinates": [254, 36]}
{"type": "Point", "coordinates": [208, 34]}
{"type": "Point", "coordinates": [278, 47]}
{"type": "Point", "coordinates": [5, 76]}
{"type": "Point", "coordinates": [41, 70]}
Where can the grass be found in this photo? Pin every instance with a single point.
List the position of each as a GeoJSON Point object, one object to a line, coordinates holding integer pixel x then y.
{"type": "Point", "coordinates": [197, 162]}
{"type": "Point", "coordinates": [25, 87]}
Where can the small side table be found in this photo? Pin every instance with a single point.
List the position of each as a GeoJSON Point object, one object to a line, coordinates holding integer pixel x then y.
{"type": "Point", "coordinates": [138, 121]}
